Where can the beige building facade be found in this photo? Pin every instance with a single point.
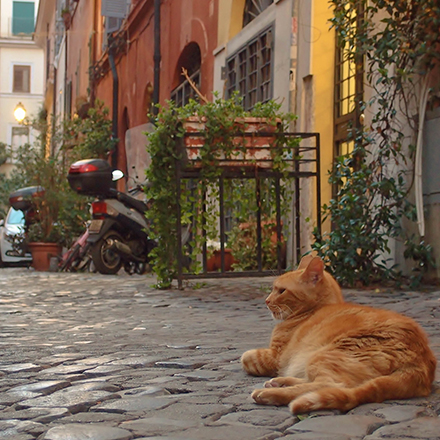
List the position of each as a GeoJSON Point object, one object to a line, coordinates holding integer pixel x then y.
{"type": "Point", "coordinates": [21, 72]}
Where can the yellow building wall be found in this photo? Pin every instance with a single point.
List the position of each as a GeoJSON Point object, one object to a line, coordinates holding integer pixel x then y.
{"type": "Point", "coordinates": [230, 19]}
{"type": "Point", "coordinates": [323, 59]}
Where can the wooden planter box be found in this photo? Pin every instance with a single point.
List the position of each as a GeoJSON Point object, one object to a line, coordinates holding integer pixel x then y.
{"type": "Point", "coordinates": [254, 143]}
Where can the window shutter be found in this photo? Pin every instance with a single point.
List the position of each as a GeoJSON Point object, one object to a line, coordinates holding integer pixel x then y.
{"type": "Point", "coordinates": [114, 8]}
{"type": "Point", "coordinates": [23, 17]}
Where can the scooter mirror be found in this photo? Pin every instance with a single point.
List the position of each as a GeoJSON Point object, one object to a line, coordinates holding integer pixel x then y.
{"type": "Point", "coordinates": [117, 174]}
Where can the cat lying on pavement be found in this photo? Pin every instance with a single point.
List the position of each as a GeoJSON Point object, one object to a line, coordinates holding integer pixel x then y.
{"type": "Point", "coordinates": [329, 354]}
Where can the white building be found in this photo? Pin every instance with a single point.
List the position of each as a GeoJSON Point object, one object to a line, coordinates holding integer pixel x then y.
{"type": "Point", "coordinates": [21, 71]}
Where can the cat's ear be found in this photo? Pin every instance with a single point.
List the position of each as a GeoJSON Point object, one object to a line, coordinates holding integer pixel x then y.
{"type": "Point", "coordinates": [314, 272]}
{"type": "Point", "coordinates": [305, 261]}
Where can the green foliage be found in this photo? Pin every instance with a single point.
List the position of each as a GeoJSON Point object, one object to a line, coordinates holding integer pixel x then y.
{"type": "Point", "coordinates": [219, 141]}
{"type": "Point", "coordinates": [62, 213]}
{"type": "Point", "coordinates": [89, 138]}
{"type": "Point", "coordinates": [243, 244]}
{"type": "Point", "coordinates": [373, 187]}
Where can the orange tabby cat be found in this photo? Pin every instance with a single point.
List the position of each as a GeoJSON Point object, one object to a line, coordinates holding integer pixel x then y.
{"type": "Point", "coordinates": [336, 355]}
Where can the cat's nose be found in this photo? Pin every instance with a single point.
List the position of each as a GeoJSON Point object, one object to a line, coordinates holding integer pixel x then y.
{"type": "Point", "coordinates": [267, 301]}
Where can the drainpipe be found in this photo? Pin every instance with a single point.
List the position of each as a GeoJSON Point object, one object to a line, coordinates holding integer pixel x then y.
{"type": "Point", "coordinates": [111, 58]}
{"type": "Point", "coordinates": [157, 55]}
{"type": "Point", "coordinates": [424, 96]}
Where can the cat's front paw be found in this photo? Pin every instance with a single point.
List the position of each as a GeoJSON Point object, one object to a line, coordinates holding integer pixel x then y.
{"type": "Point", "coordinates": [265, 397]}
{"type": "Point", "coordinates": [272, 384]}
{"type": "Point", "coordinates": [259, 362]}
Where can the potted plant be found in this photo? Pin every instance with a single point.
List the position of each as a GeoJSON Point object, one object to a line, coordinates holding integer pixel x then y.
{"type": "Point", "coordinates": [67, 17]}
{"type": "Point", "coordinates": [214, 261]}
{"type": "Point", "coordinates": [46, 231]}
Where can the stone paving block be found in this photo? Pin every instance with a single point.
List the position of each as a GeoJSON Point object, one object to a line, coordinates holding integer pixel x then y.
{"type": "Point", "coordinates": [86, 432]}
{"type": "Point", "coordinates": [20, 368]}
{"type": "Point", "coordinates": [351, 425]}
{"type": "Point", "coordinates": [74, 401]}
{"type": "Point", "coordinates": [207, 412]}
{"type": "Point", "coordinates": [158, 425]}
{"type": "Point", "coordinates": [13, 427]}
{"type": "Point", "coordinates": [111, 419]}
{"type": "Point", "coordinates": [180, 363]}
{"type": "Point", "coordinates": [44, 387]}
{"type": "Point", "coordinates": [224, 433]}
{"type": "Point", "coordinates": [9, 399]}
{"type": "Point", "coordinates": [66, 369]}
{"type": "Point", "coordinates": [16, 436]}
{"type": "Point", "coordinates": [280, 419]}
{"type": "Point", "coordinates": [95, 386]}
{"type": "Point", "coordinates": [133, 404]}
{"type": "Point", "coordinates": [144, 391]}
{"type": "Point", "coordinates": [316, 436]}
{"type": "Point", "coordinates": [136, 361]}
{"type": "Point", "coordinates": [420, 428]}
{"type": "Point", "coordinates": [201, 375]}
{"type": "Point", "coordinates": [103, 370]}
{"type": "Point", "coordinates": [399, 413]}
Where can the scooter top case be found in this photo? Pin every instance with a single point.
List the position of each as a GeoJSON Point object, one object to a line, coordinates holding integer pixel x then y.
{"type": "Point", "coordinates": [92, 177]}
{"type": "Point", "coordinates": [22, 198]}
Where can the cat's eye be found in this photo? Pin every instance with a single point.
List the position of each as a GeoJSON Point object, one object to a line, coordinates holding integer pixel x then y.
{"type": "Point", "coordinates": [281, 291]}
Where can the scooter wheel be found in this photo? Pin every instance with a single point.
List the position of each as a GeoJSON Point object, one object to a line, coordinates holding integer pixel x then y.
{"type": "Point", "coordinates": [105, 259]}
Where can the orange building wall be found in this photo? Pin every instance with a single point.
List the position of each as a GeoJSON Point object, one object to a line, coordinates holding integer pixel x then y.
{"type": "Point", "coordinates": [83, 47]}
{"type": "Point", "coordinates": [182, 22]}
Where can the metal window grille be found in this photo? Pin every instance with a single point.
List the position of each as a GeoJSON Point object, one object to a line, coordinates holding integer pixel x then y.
{"type": "Point", "coordinates": [249, 70]}
{"type": "Point", "coordinates": [184, 92]}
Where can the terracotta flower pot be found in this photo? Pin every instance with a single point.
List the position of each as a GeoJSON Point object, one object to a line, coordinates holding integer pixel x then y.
{"type": "Point", "coordinates": [257, 145]}
{"type": "Point", "coordinates": [215, 261]}
{"type": "Point", "coordinates": [42, 253]}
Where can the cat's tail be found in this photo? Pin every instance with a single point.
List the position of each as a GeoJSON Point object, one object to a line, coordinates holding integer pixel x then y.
{"type": "Point", "coordinates": [398, 385]}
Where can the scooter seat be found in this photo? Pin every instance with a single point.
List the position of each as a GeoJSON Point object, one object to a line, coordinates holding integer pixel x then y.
{"type": "Point", "coordinates": [139, 205]}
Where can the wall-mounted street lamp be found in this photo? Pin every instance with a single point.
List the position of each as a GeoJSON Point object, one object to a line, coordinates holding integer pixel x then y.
{"type": "Point", "coordinates": [19, 112]}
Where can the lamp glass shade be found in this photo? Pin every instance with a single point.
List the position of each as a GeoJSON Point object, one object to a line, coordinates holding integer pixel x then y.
{"type": "Point", "coordinates": [19, 112]}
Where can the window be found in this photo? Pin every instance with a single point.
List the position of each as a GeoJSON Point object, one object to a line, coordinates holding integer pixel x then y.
{"type": "Point", "coordinates": [349, 90]}
{"type": "Point", "coordinates": [249, 70]}
{"type": "Point", "coordinates": [253, 8]}
{"type": "Point", "coordinates": [190, 59]}
{"type": "Point", "coordinates": [22, 79]}
{"type": "Point", "coordinates": [184, 92]}
{"type": "Point", "coordinates": [19, 137]}
{"type": "Point", "coordinates": [23, 14]}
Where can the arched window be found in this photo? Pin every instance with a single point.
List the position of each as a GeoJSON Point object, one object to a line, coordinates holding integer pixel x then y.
{"type": "Point", "coordinates": [190, 59]}
{"type": "Point", "coordinates": [253, 8]}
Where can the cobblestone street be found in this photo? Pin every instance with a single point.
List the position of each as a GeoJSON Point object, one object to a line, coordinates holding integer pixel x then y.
{"type": "Point", "coordinates": [87, 356]}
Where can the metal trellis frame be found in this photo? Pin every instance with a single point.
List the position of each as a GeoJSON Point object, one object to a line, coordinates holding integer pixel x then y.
{"type": "Point", "coordinates": [304, 163]}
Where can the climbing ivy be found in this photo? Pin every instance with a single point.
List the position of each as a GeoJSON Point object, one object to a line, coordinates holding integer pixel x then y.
{"type": "Point", "coordinates": [219, 139]}
{"type": "Point", "coordinates": [398, 42]}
